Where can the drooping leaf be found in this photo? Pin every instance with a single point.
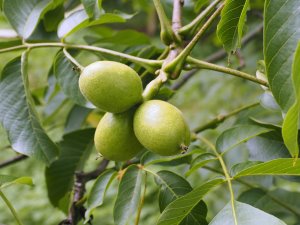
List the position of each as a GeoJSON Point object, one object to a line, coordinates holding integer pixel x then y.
{"type": "Point", "coordinates": [25, 15]}
{"type": "Point", "coordinates": [181, 207]}
{"type": "Point", "coordinates": [230, 27]}
{"type": "Point", "coordinates": [174, 186]}
{"type": "Point", "coordinates": [128, 195]}
{"type": "Point", "coordinates": [60, 175]}
{"type": "Point", "coordinates": [68, 78]}
{"type": "Point", "coordinates": [274, 167]}
{"type": "Point", "coordinates": [245, 215]}
{"type": "Point", "coordinates": [18, 115]}
{"type": "Point", "coordinates": [7, 180]}
{"type": "Point", "coordinates": [96, 195]}
{"type": "Point", "coordinates": [281, 35]}
{"type": "Point", "coordinates": [237, 135]}
{"type": "Point", "coordinates": [291, 120]}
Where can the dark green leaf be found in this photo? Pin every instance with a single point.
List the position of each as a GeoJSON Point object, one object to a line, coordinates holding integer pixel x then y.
{"type": "Point", "coordinates": [96, 195]}
{"type": "Point", "coordinates": [128, 195]}
{"type": "Point", "coordinates": [60, 175]}
{"type": "Point", "coordinates": [181, 207]}
{"type": "Point", "coordinates": [245, 215]}
{"type": "Point", "coordinates": [25, 15]}
{"type": "Point", "coordinates": [237, 135]}
{"type": "Point", "coordinates": [281, 35]}
{"type": "Point", "coordinates": [53, 17]}
{"type": "Point", "coordinates": [174, 186]}
{"type": "Point", "coordinates": [6, 180]}
{"type": "Point", "coordinates": [291, 121]}
{"type": "Point", "coordinates": [92, 7]}
{"type": "Point", "coordinates": [273, 167]}
{"type": "Point", "coordinates": [10, 43]}
{"type": "Point", "coordinates": [68, 78]}
{"type": "Point", "coordinates": [230, 27]}
{"type": "Point", "coordinates": [18, 115]}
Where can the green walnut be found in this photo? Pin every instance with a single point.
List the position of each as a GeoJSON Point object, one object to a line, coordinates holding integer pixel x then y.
{"type": "Point", "coordinates": [161, 128]}
{"type": "Point", "coordinates": [114, 137]}
{"type": "Point", "coordinates": [111, 86]}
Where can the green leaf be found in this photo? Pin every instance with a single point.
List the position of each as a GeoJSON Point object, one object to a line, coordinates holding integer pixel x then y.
{"type": "Point", "coordinates": [291, 120]}
{"type": "Point", "coordinates": [96, 195]}
{"type": "Point", "coordinates": [53, 17]}
{"type": "Point", "coordinates": [273, 167]}
{"type": "Point", "coordinates": [272, 201]}
{"type": "Point", "coordinates": [6, 180]}
{"type": "Point", "coordinates": [10, 43]}
{"type": "Point", "coordinates": [150, 158]}
{"type": "Point", "coordinates": [68, 78]}
{"type": "Point", "coordinates": [25, 15]}
{"type": "Point", "coordinates": [181, 207]}
{"type": "Point", "coordinates": [230, 27]}
{"type": "Point", "coordinates": [128, 195]}
{"type": "Point", "coordinates": [79, 20]}
{"type": "Point", "coordinates": [246, 215]}
{"type": "Point", "coordinates": [174, 186]}
{"type": "Point", "coordinates": [60, 175]}
{"type": "Point", "coordinates": [237, 135]}
{"type": "Point", "coordinates": [76, 118]}
{"type": "Point", "coordinates": [200, 161]}
{"type": "Point", "coordinates": [92, 7]}
{"type": "Point", "coordinates": [18, 115]}
{"type": "Point", "coordinates": [281, 36]}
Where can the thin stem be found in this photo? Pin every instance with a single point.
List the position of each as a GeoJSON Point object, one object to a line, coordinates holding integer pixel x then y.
{"type": "Point", "coordinates": [180, 59]}
{"type": "Point", "coordinates": [73, 60]}
{"type": "Point", "coordinates": [206, 65]}
{"type": "Point", "coordinates": [221, 118]}
{"type": "Point", "coordinates": [218, 56]}
{"type": "Point", "coordinates": [11, 208]}
{"type": "Point", "coordinates": [189, 28]}
{"type": "Point", "coordinates": [226, 173]}
{"type": "Point", "coordinates": [166, 32]}
{"type": "Point", "coordinates": [141, 202]}
{"type": "Point", "coordinates": [177, 14]}
{"type": "Point", "coordinates": [147, 63]}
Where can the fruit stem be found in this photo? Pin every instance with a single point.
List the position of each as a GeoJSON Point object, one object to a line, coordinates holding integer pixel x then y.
{"type": "Point", "coordinates": [73, 60]}
{"type": "Point", "coordinates": [149, 64]}
{"type": "Point", "coordinates": [206, 65]}
{"type": "Point", "coordinates": [152, 88]}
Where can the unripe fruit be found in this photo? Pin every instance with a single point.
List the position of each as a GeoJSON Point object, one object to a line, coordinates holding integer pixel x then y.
{"type": "Point", "coordinates": [114, 137]}
{"type": "Point", "coordinates": [111, 86]}
{"type": "Point", "coordinates": [160, 127]}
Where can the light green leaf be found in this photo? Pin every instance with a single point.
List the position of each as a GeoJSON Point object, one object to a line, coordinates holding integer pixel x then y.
{"type": "Point", "coordinates": [18, 115]}
{"type": "Point", "coordinates": [80, 19]}
{"type": "Point", "coordinates": [230, 27]}
{"type": "Point", "coordinates": [237, 135]}
{"type": "Point", "coordinates": [128, 195]}
{"type": "Point", "coordinates": [6, 180]}
{"type": "Point", "coordinates": [273, 167]}
{"type": "Point", "coordinates": [246, 215]}
{"type": "Point", "coordinates": [96, 195]}
{"type": "Point", "coordinates": [68, 78]}
{"type": "Point", "coordinates": [200, 161]}
{"type": "Point", "coordinates": [174, 186]}
{"type": "Point", "coordinates": [281, 36]}
{"type": "Point", "coordinates": [60, 175]}
{"type": "Point", "coordinates": [25, 15]}
{"type": "Point", "coordinates": [291, 120]}
{"type": "Point", "coordinates": [92, 7]}
{"type": "Point", "coordinates": [181, 207]}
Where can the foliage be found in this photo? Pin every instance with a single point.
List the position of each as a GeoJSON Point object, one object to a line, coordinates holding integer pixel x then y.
{"type": "Point", "coordinates": [242, 166]}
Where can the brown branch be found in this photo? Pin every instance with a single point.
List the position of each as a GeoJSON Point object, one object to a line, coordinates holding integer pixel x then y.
{"type": "Point", "coordinates": [76, 211]}
{"type": "Point", "coordinates": [221, 54]}
{"type": "Point", "coordinates": [13, 160]}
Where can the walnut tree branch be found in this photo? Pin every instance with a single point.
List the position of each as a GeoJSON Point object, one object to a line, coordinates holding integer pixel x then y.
{"type": "Point", "coordinates": [13, 160]}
